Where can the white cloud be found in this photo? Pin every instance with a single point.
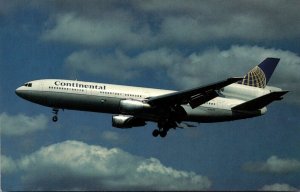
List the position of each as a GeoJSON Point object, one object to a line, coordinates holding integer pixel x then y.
{"type": "Point", "coordinates": [198, 21]}
{"type": "Point", "coordinates": [279, 187]}
{"type": "Point", "coordinates": [215, 64]}
{"type": "Point", "coordinates": [119, 65]}
{"type": "Point", "coordinates": [109, 30]}
{"type": "Point", "coordinates": [195, 69]}
{"type": "Point", "coordinates": [115, 65]}
{"type": "Point", "coordinates": [7, 165]}
{"type": "Point", "coordinates": [140, 24]}
{"type": "Point", "coordinates": [274, 165]}
{"type": "Point", "coordinates": [75, 165]}
{"type": "Point", "coordinates": [110, 136]}
{"type": "Point", "coordinates": [14, 125]}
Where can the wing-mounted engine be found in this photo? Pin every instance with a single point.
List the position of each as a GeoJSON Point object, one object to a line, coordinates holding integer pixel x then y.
{"type": "Point", "coordinates": [132, 107]}
{"type": "Point", "coordinates": [126, 121]}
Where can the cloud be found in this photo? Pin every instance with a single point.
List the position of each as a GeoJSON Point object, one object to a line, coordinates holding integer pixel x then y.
{"type": "Point", "coordinates": [10, 7]}
{"type": "Point", "coordinates": [278, 187]}
{"type": "Point", "coordinates": [7, 165]}
{"type": "Point", "coordinates": [233, 20]}
{"type": "Point", "coordinates": [92, 63]}
{"type": "Point", "coordinates": [110, 136]}
{"type": "Point", "coordinates": [211, 20]}
{"type": "Point", "coordinates": [194, 69]}
{"type": "Point", "coordinates": [237, 60]}
{"type": "Point", "coordinates": [115, 137]}
{"type": "Point", "coordinates": [73, 165]}
{"type": "Point", "coordinates": [139, 24]}
{"type": "Point", "coordinates": [109, 30]}
{"type": "Point", "coordinates": [118, 65]}
{"type": "Point", "coordinates": [15, 125]}
{"type": "Point", "coordinates": [274, 165]}
{"type": "Point", "coordinates": [215, 64]}
{"type": "Point", "coordinates": [137, 30]}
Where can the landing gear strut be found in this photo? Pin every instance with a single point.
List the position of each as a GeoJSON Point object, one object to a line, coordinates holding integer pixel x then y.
{"type": "Point", "coordinates": [55, 112]}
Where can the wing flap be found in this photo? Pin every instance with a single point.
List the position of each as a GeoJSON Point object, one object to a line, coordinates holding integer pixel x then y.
{"type": "Point", "coordinates": [260, 102]}
{"type": "Point", "coordinates": [182, 97]}
{"type": "Point", "coordinates": [199, 99]}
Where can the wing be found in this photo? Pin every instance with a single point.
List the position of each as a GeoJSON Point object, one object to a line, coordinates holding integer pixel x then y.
{"type": "Point", "coordinates": [195, 97]}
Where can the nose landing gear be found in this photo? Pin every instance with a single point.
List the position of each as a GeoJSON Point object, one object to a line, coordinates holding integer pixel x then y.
{"type": "Point", "coordinates": [55, 112]}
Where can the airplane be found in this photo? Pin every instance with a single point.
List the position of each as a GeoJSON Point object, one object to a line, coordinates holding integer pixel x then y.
{"type": "Point", "coordinates": [230, 99]}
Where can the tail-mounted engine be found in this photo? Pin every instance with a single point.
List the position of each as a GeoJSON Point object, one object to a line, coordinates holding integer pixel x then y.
{"type": "Point", "coordinates": [133, 106]}
{"type": "Point", "coordinates": [126, 121]}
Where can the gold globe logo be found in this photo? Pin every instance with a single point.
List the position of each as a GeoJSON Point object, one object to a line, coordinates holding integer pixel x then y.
{"type": "Point", "coordinates": [255, 78]}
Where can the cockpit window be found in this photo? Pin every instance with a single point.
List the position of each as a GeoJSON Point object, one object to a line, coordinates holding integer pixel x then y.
{"type": "Point", "coordinates": [28, 84]}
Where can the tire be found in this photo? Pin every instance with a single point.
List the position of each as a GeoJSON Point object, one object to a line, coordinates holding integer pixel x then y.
{"type": "Point", "coordinates": [54, 118]}
{"type": "Point", "coordinates": [155, 133]}
{"type": "Point", "coordinates": [163, 133]}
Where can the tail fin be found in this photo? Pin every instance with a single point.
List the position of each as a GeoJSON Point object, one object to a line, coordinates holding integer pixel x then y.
{"type": "Point", "coordinates": [260, 75]}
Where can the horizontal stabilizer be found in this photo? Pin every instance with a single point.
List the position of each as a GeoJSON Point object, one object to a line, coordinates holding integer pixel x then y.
{"type": "Point", "coordinates": [260, 102]}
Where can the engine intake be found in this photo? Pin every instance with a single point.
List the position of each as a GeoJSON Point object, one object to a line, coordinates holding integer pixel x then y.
{"type": "Point", "coordinates": [126, 121]}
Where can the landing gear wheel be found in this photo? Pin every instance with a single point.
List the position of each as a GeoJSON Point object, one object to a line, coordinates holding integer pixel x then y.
{"type": "Point", "coordinates": [55, 112]}
{"type": "Point", "coordinates": [155, 133]}
{"type": "Point", "coordinates": [54, 118]}
{"type": "Point", "coordinates": [163, 133]}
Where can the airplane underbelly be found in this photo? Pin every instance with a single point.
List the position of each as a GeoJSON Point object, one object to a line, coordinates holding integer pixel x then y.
{"type": "Point", "coordinates": [82, 102]}
{"type": "Point", "coordinates": [206, 114]}
{"type": "Point", "coordinates": [210, 115]}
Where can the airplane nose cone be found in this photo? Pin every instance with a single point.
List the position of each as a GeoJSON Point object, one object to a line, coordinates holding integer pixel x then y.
{"type": "Point", "coordinates": [18, 92]}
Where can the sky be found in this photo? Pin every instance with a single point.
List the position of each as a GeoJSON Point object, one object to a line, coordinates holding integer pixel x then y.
{"type": "Point", "coordinates": [161, 44]}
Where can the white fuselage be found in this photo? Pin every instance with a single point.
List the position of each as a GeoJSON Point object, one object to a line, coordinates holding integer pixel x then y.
{"type": "Point", "coordinates": [106, 98]}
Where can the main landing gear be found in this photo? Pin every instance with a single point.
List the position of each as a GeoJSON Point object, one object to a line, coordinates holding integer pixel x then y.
{"type": "Point", "coordinates": [161, 132]}
{"type": "Point", "coordinates": [55, 112]}
{"type": "Point", "coordinates": [163, 128]}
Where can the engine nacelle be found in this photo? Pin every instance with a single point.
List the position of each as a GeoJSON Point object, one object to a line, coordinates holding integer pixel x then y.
{"type": "Point", "coordinates": [133, 106]}
{"type": "Point", "coordinates": [126, 121]}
